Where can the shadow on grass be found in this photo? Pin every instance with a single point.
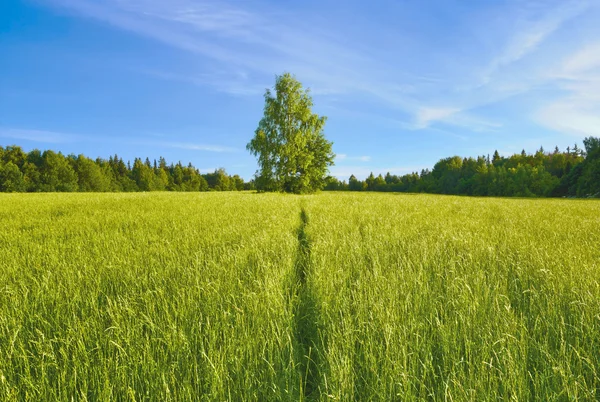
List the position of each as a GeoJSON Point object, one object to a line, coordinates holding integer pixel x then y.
{"type": "Point", "coordinates": [306, 317]}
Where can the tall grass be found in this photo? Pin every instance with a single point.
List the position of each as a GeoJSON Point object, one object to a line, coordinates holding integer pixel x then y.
{"type": "Point", "coordinates": [146, 297]}
{"type": "Point", "coordinates": [269, 297]}
{"type": "Point", "coordinates": [448, 298]}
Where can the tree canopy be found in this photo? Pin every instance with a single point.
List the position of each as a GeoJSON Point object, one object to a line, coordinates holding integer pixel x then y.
{"type": "Point", "coordinates": [293, 154]}
{"type": "Point", "coordinates": [51, 171]}
{"type": "Point", "coordinates": [574, 173]}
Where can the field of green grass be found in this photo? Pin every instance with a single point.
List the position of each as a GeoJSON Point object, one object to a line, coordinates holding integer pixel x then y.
{"type": "Point", "coordinates": [335, 296]}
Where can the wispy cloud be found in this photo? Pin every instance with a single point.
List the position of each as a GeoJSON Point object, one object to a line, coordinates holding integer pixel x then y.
{"type": "Point", "coordinates": [427, 115]}
{"type": "Point", "coordinates": [196, 147]}
{"type": "Point", "coordinates": [51, 137]}
{"type": "Point", "coordinates": [228, 82]}
{"type": "Point", "coordinates": [236, 43]}
{"type": "Point", "coordinates": [577, 112]}
{"type": "Point", "coordinates": [529, 31]}
{"type": "Point", "coordinates": [232, 35]}
{"type": "Point", "coordinates": [54, 137]}
{"type": "Point", "coordinates": [583, 60]}
{"type": "Point", "coordinates": [571, 117]}
{"type": "Point", "coordinates": [344, 157]}
{"type": "Point", "coordinates": [243, 44]}
{"type": "Point", "coordinates": [511, 70]}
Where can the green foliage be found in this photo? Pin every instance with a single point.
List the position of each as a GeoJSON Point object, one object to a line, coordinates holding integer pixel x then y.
{"type": "Point", "coordinates": [574, 173]}
{"type": "Point", "coordinates": [56, 174]}
{"type": "Point", "coordinates": [345, 296]}
{"type": "Point", "coordinates": [556, 174]}
{"type": "Point", "coordinates": [50, 171]}
{"type": "Point", "coordinates": [13, 154]}
{"type": "Point", "coordinates": [11, 178]}
{"type": "Point", "coordinates": [91, 177]}
{"type": "Point", "coordinates": [219, 181]}
{"type": "Point", "coordinates": [143, 175]}
{"type": "Point", "coordinates": [293, 154]}
{"type": "Point", "coordinates": [584, 179]}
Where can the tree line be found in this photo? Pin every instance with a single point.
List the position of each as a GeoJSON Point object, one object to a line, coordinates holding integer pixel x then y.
{"type": "Point", "coordinates": [574, 172]}
{"type": "Point", "coordinates": [50, 171]}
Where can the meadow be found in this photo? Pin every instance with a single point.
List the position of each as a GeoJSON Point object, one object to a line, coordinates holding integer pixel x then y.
{"type": "Point", "coordinates": [334, 296]}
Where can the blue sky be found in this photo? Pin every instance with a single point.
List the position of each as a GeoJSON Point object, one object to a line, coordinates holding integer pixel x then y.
{"type": "Point", "coordinates": [403, 83]}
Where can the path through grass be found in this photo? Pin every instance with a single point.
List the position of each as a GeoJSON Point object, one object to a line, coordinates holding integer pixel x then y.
{"type": "Point", "coordinates": [270, 297]}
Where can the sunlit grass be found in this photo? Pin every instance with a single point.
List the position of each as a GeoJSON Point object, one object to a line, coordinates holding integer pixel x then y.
{"type": "Point", "coordinates": [448, 298]}
{"type": "Point", "coordinates": [341, 296]}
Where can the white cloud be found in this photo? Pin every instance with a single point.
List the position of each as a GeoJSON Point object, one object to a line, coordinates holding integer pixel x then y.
{"type": "Point", "coordinates": [529, 28]}
{"type": "Point", "coordinates": [572, 118]}
{"type": "Point", "coordinates": [584, 60]}
{"type": "Point", "coordinates": [195, 147]}
{"type": "Point", "coordinates": [51, 137]}
{"type": "Point", "coordinates": [233, 83]}
{"type": "Point", "coordinates": [427, 115]}
{"type": "Point", "coordinates": [344, 157]}
{"type": "Point", "coordinates": [577, 112]}
{"type": "Point", "coordinates": [236, 37]}
{"type": "Point", "coordinates": [239, 53]}
{"type": "Point", "coordinates": [474, 123]}
{"type": "Point", "coordinates": [512, 70]}
{"type": "Point", "coordinates": [499, 79]}
{"type": "Point", "coordinates": [235, 42]}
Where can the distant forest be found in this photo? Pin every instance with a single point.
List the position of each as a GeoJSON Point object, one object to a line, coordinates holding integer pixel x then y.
{"type": "Point", "coordinates": [574, 172]}
{"type": "Point", "coordinates": [49, 171]}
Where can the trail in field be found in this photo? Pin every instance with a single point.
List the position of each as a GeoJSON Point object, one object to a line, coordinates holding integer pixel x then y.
{"type": "Point", "coordinates": [306, 316]}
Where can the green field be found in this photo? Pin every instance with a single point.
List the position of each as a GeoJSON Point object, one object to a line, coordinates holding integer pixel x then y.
{"type": "Point", "coordinates": [341, 296]}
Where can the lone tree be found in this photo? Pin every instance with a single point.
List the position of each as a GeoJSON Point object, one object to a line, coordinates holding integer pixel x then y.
{"type": "Point", "coordinates": [293, 154]}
